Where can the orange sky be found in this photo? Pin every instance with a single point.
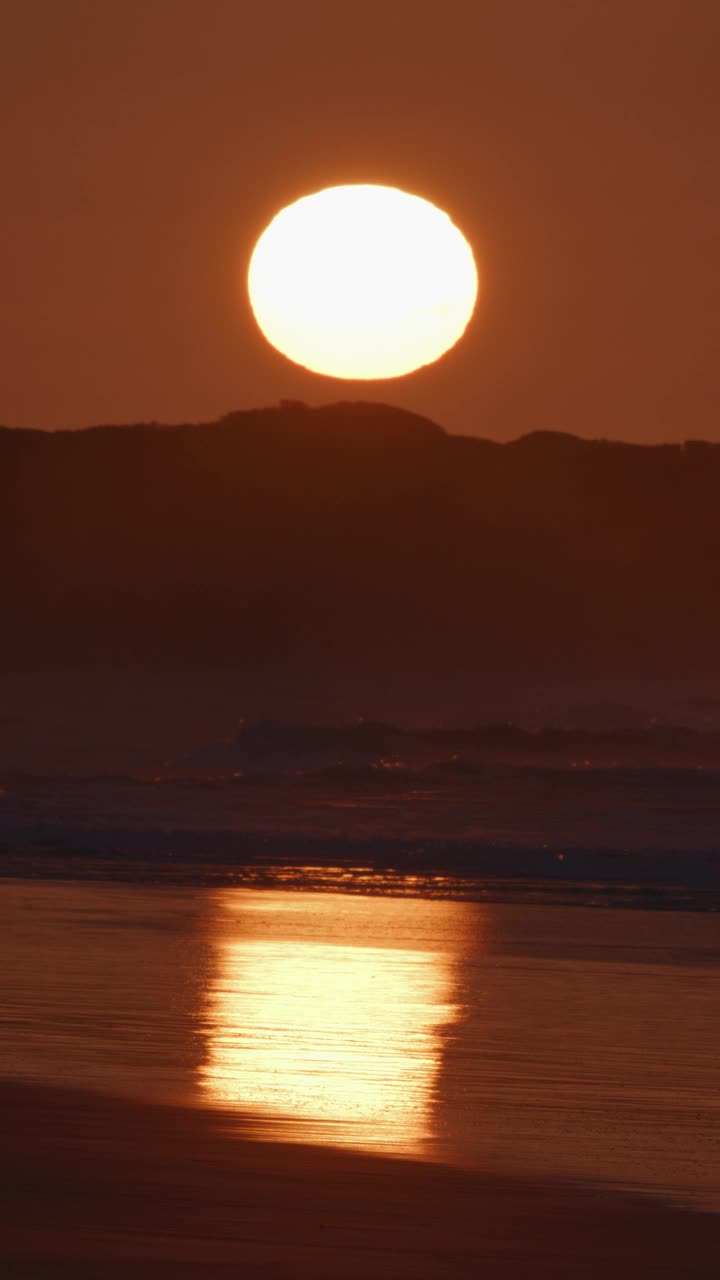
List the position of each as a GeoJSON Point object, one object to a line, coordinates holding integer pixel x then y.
{"type": "Point", "coordinates": [145, 143]}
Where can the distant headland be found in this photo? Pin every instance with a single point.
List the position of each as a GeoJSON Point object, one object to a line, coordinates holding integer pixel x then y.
{"type": "Point", "coordinates": [356, 535]}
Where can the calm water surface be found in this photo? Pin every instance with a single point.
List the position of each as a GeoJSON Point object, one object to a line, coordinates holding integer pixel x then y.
{"type": "Point", "coordinates": [566, 1041]}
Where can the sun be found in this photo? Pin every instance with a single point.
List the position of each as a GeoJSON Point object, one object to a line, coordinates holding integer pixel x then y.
{"type": "Point", "coordinates": [362, 282]}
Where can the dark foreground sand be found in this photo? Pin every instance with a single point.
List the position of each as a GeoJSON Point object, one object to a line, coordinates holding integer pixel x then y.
{"type": "Point", "coordinates": [98, 1188]}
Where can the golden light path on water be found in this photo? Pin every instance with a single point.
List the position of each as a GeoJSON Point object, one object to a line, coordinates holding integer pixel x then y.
{"type": "Point", "coordinates": [339, 1040]}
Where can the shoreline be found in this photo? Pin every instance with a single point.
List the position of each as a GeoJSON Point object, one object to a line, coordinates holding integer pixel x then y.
{"type": "Point", "coordinates": [96, 1185]}
{"type": "Point", "coordinates": [359, 874]}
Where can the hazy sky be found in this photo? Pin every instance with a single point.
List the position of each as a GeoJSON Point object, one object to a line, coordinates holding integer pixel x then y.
{"type": "Point", "coordinates": [145, 144]}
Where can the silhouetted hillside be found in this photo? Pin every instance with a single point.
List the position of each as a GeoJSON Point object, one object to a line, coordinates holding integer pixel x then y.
{"type": "Point", "coordinates": [358, 536]}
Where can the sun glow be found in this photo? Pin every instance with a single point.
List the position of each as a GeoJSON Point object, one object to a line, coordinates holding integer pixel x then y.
{"type": "Point", "coordinates": [362, 282]}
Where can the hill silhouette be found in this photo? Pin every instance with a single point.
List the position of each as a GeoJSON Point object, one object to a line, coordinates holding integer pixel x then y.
{"type": "Point", "coordinates": [357, 536]}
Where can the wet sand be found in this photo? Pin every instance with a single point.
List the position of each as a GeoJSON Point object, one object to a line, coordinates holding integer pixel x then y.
{"type": "Point", "coordinates": [93, 1187]}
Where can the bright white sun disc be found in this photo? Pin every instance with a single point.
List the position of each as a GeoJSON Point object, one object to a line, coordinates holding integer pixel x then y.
{"type": "Point", "coordinates": [362, 282]}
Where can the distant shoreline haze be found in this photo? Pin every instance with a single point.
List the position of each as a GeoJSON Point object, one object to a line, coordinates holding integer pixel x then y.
{"type": "Point", "coordinates": [358, 537]}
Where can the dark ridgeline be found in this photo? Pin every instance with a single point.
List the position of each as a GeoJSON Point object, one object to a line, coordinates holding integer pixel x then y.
{"type": "Point", "coordinates": [357, 536]}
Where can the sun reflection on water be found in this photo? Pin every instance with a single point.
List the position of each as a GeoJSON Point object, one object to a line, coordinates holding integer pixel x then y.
{"type": "Point", "coordinates": [327, 1015]}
